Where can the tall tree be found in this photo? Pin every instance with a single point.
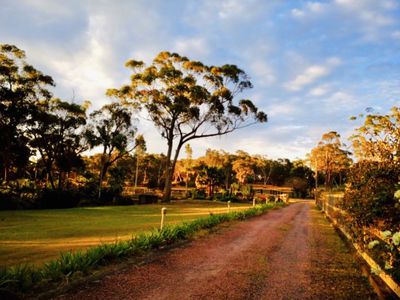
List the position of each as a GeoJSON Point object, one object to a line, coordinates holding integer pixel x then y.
{"type": "Point", "coordinates": [111, 128]}
{"type": "Point", "coordinates": [56, 133]}
{"type": "Point", "coordinates": [21, 85]}
{"type": "Point", "coordinates": [188, 100]}
{"type": "Point", "coordinates": [209, 176]}
{"type": "Point", "coordinates": [329, 157]}
{"type": "Point", "coordinates": [378, 139]}
{"type": "Point", "coordinates": [244, 166]}
{"type": "Point", "coordinates": [263, 167]}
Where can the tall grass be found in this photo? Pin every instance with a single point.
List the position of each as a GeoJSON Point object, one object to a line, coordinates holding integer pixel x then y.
{"type": "Point", "coordinates": [24, 278]}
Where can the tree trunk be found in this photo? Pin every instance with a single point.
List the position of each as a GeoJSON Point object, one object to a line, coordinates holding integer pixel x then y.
{"type": "Point", "coordinates": [49, 173]}
{"type": "Point", "coordinates": [186, 183]}
{"type": "Point", "coordinates": [5, 174]}
{"type": "Point", "coordinates": [168, 177]}
{"type": "Point", "coordinates": [59, 180]}
{"type": "Point", "coordinates": [136, 171]}
{"type": "Point", "coordinates": [227, 173]}
{"type": "Point", "coordinates": [170, 172]}
{"type": "Point", "coordinates": [101, 178]}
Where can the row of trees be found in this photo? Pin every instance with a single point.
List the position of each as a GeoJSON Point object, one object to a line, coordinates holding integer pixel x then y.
{"type": "Point", "coordinates": [370, 208]}
{"type": "Point", "coordinates": [42, 138]}
{"type": "Point", "coordinates": [35, 126]}
{"type": "Point", "coordinates": [374, 177]}
{"type": "Point", "coordinates": [219, 169]}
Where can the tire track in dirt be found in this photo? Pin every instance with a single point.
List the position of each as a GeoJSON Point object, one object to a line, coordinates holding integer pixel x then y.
{"type": "Point", "coordinates": [268, 257]}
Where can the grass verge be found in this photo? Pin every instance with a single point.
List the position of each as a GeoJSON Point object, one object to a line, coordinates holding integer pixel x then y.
{"type": "Point", "coordinates": [28, 278]}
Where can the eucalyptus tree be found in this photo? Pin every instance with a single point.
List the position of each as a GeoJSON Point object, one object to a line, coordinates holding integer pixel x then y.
{"type": "Point", "coordinates": [55, 132]}
{"type": "Point", "coordinates": [187, 100]}
{"type": "Point", "coordinates": [209, 176]}
{"type": "Point", "coordinates": [21, 86]}
{"type": "Point", "coordinates": [378, 139]}
{"type": "Point", "coordinates": [244, 166]}
{"type": "Point", "coordinates": [111, 127]}
{"type": "Point", "coordinates": [329, 157]}
{"type": "Point", "coordinates": [263, 168]}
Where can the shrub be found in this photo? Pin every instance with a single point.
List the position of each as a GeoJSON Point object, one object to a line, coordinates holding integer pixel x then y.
{"type": "Point", "coordinates": [59, 198]}
{"type": "Point", "coordinates": [369, 196]}
{"type": "Point", "coordinates": [148, 198]}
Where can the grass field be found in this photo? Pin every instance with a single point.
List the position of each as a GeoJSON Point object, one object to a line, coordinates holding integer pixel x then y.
{"type": "Point", "coordinates": [36, 236]}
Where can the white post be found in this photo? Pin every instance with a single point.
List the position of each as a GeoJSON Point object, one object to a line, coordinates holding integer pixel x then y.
{"type": "Point", "coordinates": [229, 206]}
{"type": "Point", "coordinates": [254, 201]}
{"type": "Point", "coordinates": [163, 213]}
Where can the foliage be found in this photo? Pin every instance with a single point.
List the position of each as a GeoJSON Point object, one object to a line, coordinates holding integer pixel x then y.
{"type": "Point", "coordinates": [329, 158]}
{"type": "Point", "coordinates": [42, 138]}
{"type": "Point", "coordinates": [55, 132]}
{"type": "Point", "coordinates": [369, 196]}
{"type": "Point", "coordinates": [386, 250]}
{"type": "Point", "coordinates": [244, 167]}
{"type": "Point", "coordinates": [373, 181]}
{"type": "Point", "coordinates": [378, 138]}
{"type": "Point", "coordinates": [21, 86]}
{"type": "Point", "coordinates": [111, 128]}
{"type": "Point", "coordinates": [188, 100]}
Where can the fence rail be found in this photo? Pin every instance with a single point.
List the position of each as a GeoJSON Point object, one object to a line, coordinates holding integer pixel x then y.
{"type": "Point", "coordinates": [329, 204]}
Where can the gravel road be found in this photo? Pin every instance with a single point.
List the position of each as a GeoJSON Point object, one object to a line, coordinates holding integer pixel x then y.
{"type": "Point", "coordinates": [290, 253]}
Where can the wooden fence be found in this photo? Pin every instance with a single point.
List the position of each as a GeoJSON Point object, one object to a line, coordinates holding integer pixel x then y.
{"type": "Point", "coordinates": [329, 204]}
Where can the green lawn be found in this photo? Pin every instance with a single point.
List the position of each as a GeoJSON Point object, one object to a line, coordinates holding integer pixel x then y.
{"type": "Point", "coordinates": [35, 236]}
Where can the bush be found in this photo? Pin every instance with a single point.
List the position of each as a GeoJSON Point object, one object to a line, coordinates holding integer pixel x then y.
{"type": "Point", "coordinates": [369, 196]}
{"type": "Point", "coordinates": [198, 194]}
{"type": "Point", "coordinates": [227, 197]}
{"type": "Point", "coordinates": [59, 198]}
{"type": "Point", "coordinates": [15, 195]}
{"type": "Point", "coordinates": [148, 198]}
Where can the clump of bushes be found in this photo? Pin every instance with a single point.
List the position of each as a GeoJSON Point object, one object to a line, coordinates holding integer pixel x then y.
{"type": "Point", "coordinates": [371, 203]}
{"type": "Point", "coordinates": [369, 196]}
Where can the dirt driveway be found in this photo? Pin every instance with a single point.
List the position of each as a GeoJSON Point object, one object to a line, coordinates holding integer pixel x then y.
{"type": "Point", "coordinates": [291, 253]}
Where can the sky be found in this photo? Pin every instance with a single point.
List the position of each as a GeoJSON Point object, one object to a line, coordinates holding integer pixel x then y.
{"type": "Point", "coordinates": [313, 64]}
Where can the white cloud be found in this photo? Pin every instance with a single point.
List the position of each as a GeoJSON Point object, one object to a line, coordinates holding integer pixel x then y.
{"type": "Point", "coordinates": [312, 74]}
{"type": "Point", "coordinates": [340, 101]}
{"type": "Point", "coordinates": [319, 90]}
{"type": "Point", "coordinates": [281, 109]}
{"type": "Point", "coordinates": [369, 17]}
{"type": "Point", "coordinates": [231, 8]}
{"type": "Point", "coordinates": [192, 47]}
{"type": "Point", "coordinates": [298, 13]}
{"type": "Point", "coordinates": [95, 62]}
{"type": "Point", "coordinates": [53, 9]}
{"type": "Point", "coordinates": [310, 9]}
{"type": "Point", "coordinates": [264, 72]}
{"type": "Point", "coordinates": [396, 35]}
{"type": "Point", "coordinates": [373, 16]}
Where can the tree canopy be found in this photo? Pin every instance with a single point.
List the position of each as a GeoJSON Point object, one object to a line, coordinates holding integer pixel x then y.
{"type": "Point", "coordinates": [186, 100]}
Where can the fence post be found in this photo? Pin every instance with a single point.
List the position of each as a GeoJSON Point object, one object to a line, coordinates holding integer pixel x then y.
{"type": "Point", "coordinates": [229, 206]}
{"type": "Point", "coordinates": [163, 213]}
